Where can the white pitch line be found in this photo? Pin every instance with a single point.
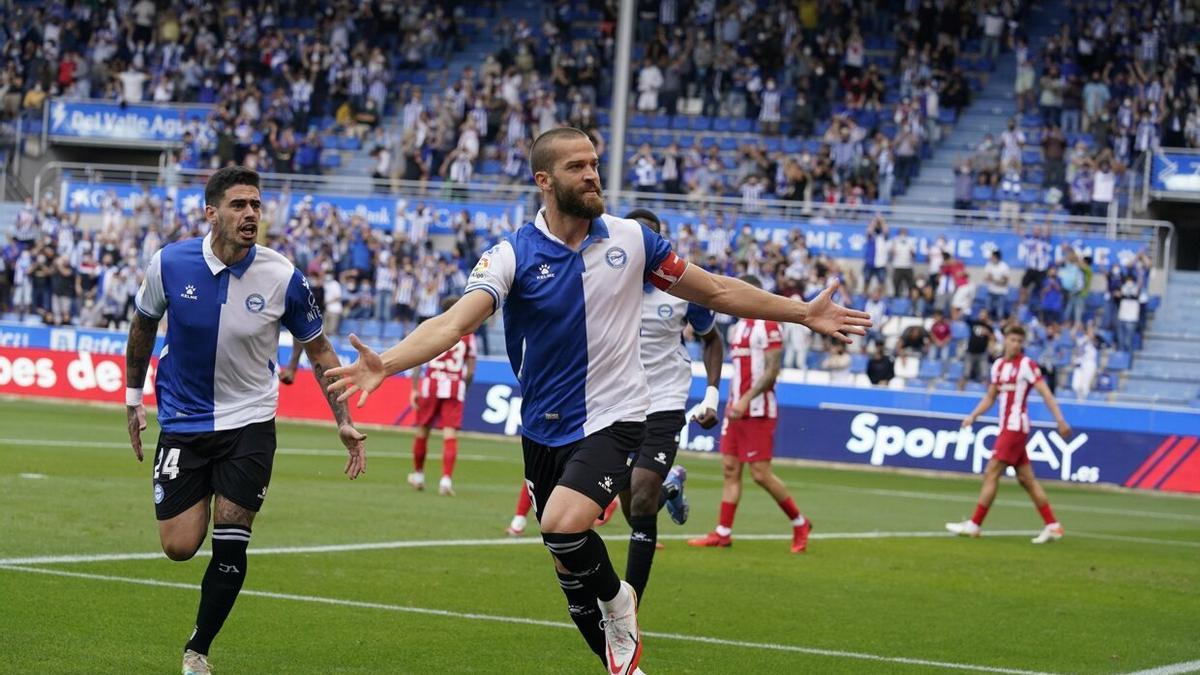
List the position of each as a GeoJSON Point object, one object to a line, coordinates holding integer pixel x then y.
{"type": "Point", "coordinates": [1058, 506]}
{"type": "Point", "coordinates": [443, 543]}
{"type": "Point", "coordinates": [1171, 669]}
{"type": "Point", "coordinates": [767, 646]}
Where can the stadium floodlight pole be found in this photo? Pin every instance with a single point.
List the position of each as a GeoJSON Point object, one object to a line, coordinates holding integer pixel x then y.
{"type": "Point", "coordinates": [620, 104]}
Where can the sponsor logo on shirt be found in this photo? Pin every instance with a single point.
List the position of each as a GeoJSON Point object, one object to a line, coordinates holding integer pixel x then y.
{"type": "Point", "coordinates": [189, 293]}
{"type": "Point", "coordinates": [544, 272]}
{"type": "Point", "coordinates": [255, 303]}
{"type": "Point", "coordinates": [616, 257]}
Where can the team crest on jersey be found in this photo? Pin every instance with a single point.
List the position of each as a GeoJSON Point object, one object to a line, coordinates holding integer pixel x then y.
{"type": "Point", "coordinates": [616, 257]}
{"type": "Point", "coordinates": [544, 272]}
{"type": "Point", "coordinates": [189, 293]}
{"type": "Point", "coordinates": [159, 493]}
{"type": "Point", "coordinates": [255, 303]}
{"type": "Point", "coordinates": [665, 311]}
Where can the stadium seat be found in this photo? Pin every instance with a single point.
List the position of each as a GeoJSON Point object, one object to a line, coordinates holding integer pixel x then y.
{"type": "Point", "coordinates": [931, 369]}
{"type": "Point", "coordinates": [393, 330]}
{"type": "Point", "coordinates": [907, 367]}
{"type": "Point", "coordinates": [814, 359]}
{"type": "Point", "coordinates": [954, 370]}
{"type": "Point", "coordinates": [858, 363]}
{"type": "Point", "coordinates": [900, 307]}
{"type": "Point", "coordinates": [700, 123]}
{"type": "Point", "coordinates": [959, 330]}
{"type": "Point", "coordinates": [1118, 361]}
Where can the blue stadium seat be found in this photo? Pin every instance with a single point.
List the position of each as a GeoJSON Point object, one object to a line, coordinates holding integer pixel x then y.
{"type": "Point", "coordinates": [858, 363]}
{"type": "Point", "coordinates": [1119, 361]}
{"type": "Point", "coordinates": [982, 193]}
{"type": "Point", "coordinates": [741, 125]}
{"type": "Point", "coordinates": [930, 369]}
{"type": "Point", "coordinates": [946, 385]}
{"type": "Point", "coordinates": [900, 307]}
{"type": "Point", "coordinates": [954, 370]}
{"type": "Point", "coordinates": [700, 123]}
{"type": "Point", "coordinates": [792, 146]}
{"type": "Point", "coordinates": [680, 122]}
{"type": "Point", "coordinates": [727, 143]}
{"type": "Point", "coordinates": [490, 167]}
{"type": "Point", "coordinates": [330, 159]}
{"type": "Point", "coordinates": [393, 330]}
{"type": "Point", "coordinates": [660, 122]}
{"type": "Point", "coordinates": [349, 326]}
{"type": "Point", "coordinates": [814, 359]}
{"type": "Point", "coordinates": [349, 143]}
{"type": "Point", "coordinates": [959, 330]}
{"type": "Point", "coordinates": [639, 120]}
{"type": "Point", "coordinates": [1031, 157]}
{"type": "Point", "coordinates": [721, 124]}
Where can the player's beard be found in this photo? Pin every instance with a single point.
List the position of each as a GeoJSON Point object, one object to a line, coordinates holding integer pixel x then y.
{"type": "Point", "coordinates": [572, 203]}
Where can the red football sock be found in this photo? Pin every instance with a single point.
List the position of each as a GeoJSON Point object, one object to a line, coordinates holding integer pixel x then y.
{"type": "Point", "coordinates": [1047, 514]}
{"type": "Point", "coordinates": [524, 502]}
{"type": "Point", "coordinates": [789, 507]}
{"type": "Point", "coordinates": [727, 511]}
{"type": "Point", "coordinates": [980, 514]}
{"type": "Point", "coordinates": [449, 455]}
{"type": "Point", "coordinates": [419, 445]}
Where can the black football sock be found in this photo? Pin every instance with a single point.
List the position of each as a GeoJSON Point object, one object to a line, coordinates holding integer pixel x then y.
{"type": "Point", "coordinates": [668, 492]}
{"type": "Point", "coordinates": [584, 555]}
{"type": "Point", "coordinates": [642, 541]}
{"type": "Point", "coordinates": [222, 583]}
{"type": "Point", "coordinates": [581, 604]}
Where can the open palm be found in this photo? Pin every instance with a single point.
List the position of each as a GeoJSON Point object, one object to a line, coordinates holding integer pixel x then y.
{"type": "Point", "coordinates": [364, 375]}
{"type": "Point", "coordinates": [829, 318]}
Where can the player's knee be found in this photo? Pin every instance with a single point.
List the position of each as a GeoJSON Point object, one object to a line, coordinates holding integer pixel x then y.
{"type": "Point", "coordinates": [180, 551]}
{"type": "Point", "coordinates": [761, 475]}
{"type": "Point", "coordinates": [731, 471]}
{"type": "Point", "coordinates": [643, 503]}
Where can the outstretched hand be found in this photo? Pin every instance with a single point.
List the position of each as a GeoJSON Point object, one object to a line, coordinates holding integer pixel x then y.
{"type": "Point", "coordinates": [829, 318]}
{"type": "Point", "coordinates": [364, 375]}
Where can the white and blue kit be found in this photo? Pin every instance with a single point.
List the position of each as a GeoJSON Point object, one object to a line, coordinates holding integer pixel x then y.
{"type": "Point", "coordinates": [217, 368]}
{"type": "Point", "coordinates": [668, 372]}
{"type": "Point", "coordinates": [216, 383]}
{"type": "Point", "coordinates": [571, 319]}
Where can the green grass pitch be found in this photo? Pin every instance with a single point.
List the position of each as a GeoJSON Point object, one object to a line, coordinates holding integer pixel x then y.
{"type": "Point", "coordinates": [416, 583]}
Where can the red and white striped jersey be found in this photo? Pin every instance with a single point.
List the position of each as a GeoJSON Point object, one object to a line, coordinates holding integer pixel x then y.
{"type": "Point", "coordinates": [443, 377]}
{"type": "Point", "coordinates": [748, 344]}
{"type": "Point", "coordinates": [1014, 379]}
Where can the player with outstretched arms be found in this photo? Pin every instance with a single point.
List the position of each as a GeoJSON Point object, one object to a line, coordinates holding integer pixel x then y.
{"type": "Point", "coordinates": [1013, 377]}
{"type": "Point", "coordinates": [570, 284]}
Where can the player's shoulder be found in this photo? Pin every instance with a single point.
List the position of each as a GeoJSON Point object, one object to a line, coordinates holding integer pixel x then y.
{"type": "Point", "coordinates": [273, 263]}
{"type": "Point", "coordinates": [182, 250]}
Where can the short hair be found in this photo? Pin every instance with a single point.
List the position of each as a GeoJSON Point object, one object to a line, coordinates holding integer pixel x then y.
{"type": "Point", "coordinates": [752, 280]}
{"type": "Point", "coordinates": [1015, 329]}
{"type": "Point", "coordinates": [226, 178]}
{"type": "Point", "coordinates": [541, 153]}
{"type": "Point", "coordinates": [645, 216]}
{"type": "Point", "coordinates": [997, 254]}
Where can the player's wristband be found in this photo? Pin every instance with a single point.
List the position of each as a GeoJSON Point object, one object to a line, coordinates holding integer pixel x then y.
{"type": "Point", "coordinates": [712, 399]}
{"type": "Point", "coordinates": [133, 396]}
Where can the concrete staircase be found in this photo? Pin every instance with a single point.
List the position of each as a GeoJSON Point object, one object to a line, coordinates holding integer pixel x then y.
{"type": "Point", "coordinates": [1167, 368]}
{"type": "Point", "coordinates": [989, 111]}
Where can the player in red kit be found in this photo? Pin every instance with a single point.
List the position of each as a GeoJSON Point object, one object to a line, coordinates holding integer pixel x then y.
{"type": "Point", "coordinates": [1013, 376]}
{"type": "Point", "coordinates": [437, 396]}
{"type": "Point", "coordinates": [748, 433]}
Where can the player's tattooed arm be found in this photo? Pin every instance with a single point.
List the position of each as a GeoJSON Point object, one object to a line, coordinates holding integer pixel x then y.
{"type": "Point", "coordinates": [322, 357]}
{"type": "Point", "coordinates": [139, 347]}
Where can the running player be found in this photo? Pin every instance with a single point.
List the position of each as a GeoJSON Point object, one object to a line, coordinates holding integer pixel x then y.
{"type": "Point", "coordinates": [1013, 376]}
{"type": "Point", "coordinates": [655, 481]}
{"type": "Point", "coordinates": [225, 299]}
{"type": "Point", "coordinates": [438, 398]}
{"type": "Point", "coordinates": [570, 283]}
{"type": "Point", "coordinates": [748, 433]}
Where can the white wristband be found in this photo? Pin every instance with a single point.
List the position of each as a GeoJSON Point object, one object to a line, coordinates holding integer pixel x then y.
{"type": "Point", "coordinates": [712, 399]}
{"type": "Point", "coordinates": [133, 396]}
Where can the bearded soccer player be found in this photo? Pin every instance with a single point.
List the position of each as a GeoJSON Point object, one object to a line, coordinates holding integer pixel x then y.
{"type": "Point", "coordinates": [225, 299]}
{"type": "Point", "coordinates": [1013, 376]}
{"type": "Point", "coordinates": [438, 397]}
{"type": "Point", "coordinates": [570, 284]}
{"type": "Point", "coordinates": [748, 433]}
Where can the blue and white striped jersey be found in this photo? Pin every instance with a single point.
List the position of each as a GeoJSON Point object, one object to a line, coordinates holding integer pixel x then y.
{"type": "Point", "coordinates": [571, 321]}
{"type": "Point", "coordinates": [217, 367]}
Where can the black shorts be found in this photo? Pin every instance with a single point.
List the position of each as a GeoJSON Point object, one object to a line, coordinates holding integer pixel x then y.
{"type": "Point", "coordinates": [1033, 278]}
{"type": "Point", "coordinates": [235, 464]}
{"type": "Point", "coordinates": [662, 441]}
{"type": "Point", "coordinates": [597, 465]}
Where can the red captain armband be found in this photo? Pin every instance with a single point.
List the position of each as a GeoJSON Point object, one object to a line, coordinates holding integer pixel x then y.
{"type": "Point", "coordinates": [668, 272]}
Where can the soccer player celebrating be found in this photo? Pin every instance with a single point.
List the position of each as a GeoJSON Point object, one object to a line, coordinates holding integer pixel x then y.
{"type": "Point", "coordinates": [225, 299]}
{"type": "Point", "coordinates": [570, 284]}
{"type": "Point", "coordinates": [1012, 378]}
{"type": "Point", "coordinates": [748, 433]}
{"type": "Point", "coordinates": [439, 396]}
{"type": "Point", "coordinates": [654, 481]}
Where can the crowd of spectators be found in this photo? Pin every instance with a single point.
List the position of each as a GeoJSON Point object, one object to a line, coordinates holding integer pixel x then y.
{"type": "Point", "coordinates": [1118, 81]}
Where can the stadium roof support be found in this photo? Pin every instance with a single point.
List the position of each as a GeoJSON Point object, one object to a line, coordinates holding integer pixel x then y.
{"type": "Point", "coordinates": [619, 115]}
